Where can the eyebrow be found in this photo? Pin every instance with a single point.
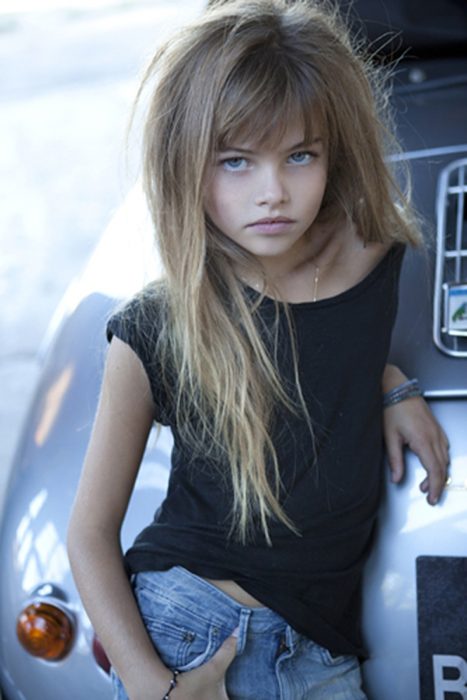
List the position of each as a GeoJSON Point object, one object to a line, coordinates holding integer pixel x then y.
{"type": "Point", "coordinates": [296, 146]}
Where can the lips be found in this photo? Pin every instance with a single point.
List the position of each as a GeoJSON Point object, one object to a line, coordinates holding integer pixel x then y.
{"type": "Point", "coordinates": [272, 220]}
{"type": "Point", "coordinates": [271, 225]}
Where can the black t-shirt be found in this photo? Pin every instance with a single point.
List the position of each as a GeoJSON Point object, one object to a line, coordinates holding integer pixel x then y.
{"type": "Point", "coordinates": [331, 492]}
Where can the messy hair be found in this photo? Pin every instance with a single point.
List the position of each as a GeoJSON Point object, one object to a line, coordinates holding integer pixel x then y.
{"type": "Point", "coordinates": [246, 69]}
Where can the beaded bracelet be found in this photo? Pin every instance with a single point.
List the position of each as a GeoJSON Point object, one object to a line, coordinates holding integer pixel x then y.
{"type": "Point", "coordinates": [173, 683]}
{"type": "Point", "coordinates": [404, 391]}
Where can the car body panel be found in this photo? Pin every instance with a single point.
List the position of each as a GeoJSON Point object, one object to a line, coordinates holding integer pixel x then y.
{"type": "Point", "coordinates": [409, 528]}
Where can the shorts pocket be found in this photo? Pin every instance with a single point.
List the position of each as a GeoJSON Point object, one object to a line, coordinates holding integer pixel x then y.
{"type": "Point", "coordinates": [183, 640]}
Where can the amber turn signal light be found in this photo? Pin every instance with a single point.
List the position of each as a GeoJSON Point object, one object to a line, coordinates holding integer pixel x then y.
{"type": "Point", "coordinates": [45, 631]}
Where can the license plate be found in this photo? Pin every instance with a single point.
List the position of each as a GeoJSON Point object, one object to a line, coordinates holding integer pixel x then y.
{"type": "Point", "coordinates": [442, 627]}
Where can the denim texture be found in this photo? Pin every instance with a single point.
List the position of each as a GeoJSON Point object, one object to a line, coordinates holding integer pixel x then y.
{"type": "Point", "coordinates": [188, 618]}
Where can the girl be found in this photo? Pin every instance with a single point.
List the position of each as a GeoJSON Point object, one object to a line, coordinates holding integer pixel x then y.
{"type": "Point", "coordinates": [264, 347]}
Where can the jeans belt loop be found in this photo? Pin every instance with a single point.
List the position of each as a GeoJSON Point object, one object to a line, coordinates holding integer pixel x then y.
{"type": "Point", "coordinates": [243, 625]}
{"type": "Point", "coordinates": [291, 638]}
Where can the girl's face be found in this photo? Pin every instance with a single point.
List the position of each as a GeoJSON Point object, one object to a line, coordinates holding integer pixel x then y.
{"type": "Point", "coordinates": [267, 198]}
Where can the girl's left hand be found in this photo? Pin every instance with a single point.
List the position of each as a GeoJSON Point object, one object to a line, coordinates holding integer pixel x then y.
{"type": "Point", "coordinates": [410, 423]}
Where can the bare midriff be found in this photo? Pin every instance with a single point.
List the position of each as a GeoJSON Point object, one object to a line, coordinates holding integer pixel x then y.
{"type": "Point", "coordinates": [233, 590]}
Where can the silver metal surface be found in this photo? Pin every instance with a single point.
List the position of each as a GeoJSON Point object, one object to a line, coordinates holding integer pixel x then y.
{"type": "Point", "coordinates": [409, 528]}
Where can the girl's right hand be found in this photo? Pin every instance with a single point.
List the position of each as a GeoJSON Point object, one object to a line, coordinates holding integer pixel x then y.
{"type": "Point", "coordinates": [208, 681]}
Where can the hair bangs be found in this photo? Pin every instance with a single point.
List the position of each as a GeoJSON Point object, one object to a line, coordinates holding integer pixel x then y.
{"type": "Point", "coordinates": [262, 97]}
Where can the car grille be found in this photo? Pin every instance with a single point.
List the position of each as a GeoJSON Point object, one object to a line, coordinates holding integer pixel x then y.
{"type": "Point", "coordinates": [450, 297]}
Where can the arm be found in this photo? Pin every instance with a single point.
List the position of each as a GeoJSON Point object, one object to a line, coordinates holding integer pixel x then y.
{"type": "Point", "coordinates": [117, 444]}
{"type": "Point", "coordinates": [123, 421]}
{"type": "Point", "coordinates": [411, 423]}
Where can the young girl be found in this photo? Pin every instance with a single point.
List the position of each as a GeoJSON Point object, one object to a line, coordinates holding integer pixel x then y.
{"type": "Point", "coordinates": [264, 349]}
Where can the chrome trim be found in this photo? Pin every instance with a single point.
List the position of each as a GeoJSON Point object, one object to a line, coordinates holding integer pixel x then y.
{"type": "Point", "coordinates": [427, 153]}
{"type": "Point", "coordinates": [48, 590]}
{"type": "Point", "coordinates": [445, 303]}
{"type": "Point", "coordinates": [428, 84]}
{"type": "Point", "coordinates": [445, 394]}
{"type": "Point", "coordinates": [451, 257]}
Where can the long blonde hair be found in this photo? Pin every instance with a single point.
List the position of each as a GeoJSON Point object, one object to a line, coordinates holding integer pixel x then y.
{"type": "Point", "coordinates": [243, 65]}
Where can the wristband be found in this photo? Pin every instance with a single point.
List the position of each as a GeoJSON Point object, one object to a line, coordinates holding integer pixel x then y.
{"type": "Point", "coordinates": [173, 683]}
{"type": "Point", "coordinates": [404, 391]}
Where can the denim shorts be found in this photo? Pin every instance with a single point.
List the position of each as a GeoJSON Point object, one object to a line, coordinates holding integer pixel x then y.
{"type": "Point", "coordinates": [188, 618]}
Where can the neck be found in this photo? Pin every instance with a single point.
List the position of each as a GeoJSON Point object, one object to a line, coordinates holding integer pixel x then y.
{"type": "Point", "coordinates": [299, 274]}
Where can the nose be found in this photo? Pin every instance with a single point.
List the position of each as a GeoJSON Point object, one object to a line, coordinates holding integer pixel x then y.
{"type": "Point", "coordinates": [272, 189]}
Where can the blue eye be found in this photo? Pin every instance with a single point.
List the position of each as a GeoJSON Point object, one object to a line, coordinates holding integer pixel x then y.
{"type": "Point", "coordinates": [301, 158]}
{"type": "Point", "coordinates": [234, 164]}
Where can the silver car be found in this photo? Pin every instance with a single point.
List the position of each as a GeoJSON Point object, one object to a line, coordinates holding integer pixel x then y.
{"type": "Point", "coordinates": [415, 592]}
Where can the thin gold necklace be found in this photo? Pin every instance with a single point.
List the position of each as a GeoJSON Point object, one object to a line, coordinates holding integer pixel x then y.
{"type": "Point", "coordinates": [316, 283]}
{"type": "Point", "coordinates": [257, 286]}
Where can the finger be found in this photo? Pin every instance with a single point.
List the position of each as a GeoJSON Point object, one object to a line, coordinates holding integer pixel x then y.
{"type": "Point", "coordinates": [432, 451]}
{"type": "Point", "coordinates": [225, 654]}
{"type": "Point", "coordinates": [438, 480]}
{"type": "Point", "coordinates": [395, 457]}
{"type": "Point", "coordinates": [443, 449]}
{"type": "Point", "coordinates": [435, 481]}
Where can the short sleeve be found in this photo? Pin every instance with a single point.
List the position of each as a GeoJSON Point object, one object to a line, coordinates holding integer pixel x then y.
{"type": "Point", "coordinates": [137, 323]}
